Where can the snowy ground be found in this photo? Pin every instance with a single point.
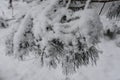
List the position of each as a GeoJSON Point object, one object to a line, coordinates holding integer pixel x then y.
{"type": "Point", "coordinates": [108, 67]}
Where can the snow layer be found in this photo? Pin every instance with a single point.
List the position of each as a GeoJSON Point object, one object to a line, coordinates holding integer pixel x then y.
{"type": "Point", "coordinates": [107, 67]}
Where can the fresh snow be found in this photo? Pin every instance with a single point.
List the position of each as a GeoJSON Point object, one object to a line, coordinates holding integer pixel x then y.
{"type": "Point", "coordinates": [107, 67]}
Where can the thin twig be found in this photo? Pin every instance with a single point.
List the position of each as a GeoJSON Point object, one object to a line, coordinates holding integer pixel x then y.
{"type": "Point", "coordinates": [102, 8]}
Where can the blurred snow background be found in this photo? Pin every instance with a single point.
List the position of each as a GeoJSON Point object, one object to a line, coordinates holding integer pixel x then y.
{"type": "Point", "coordinates": [107, 68]}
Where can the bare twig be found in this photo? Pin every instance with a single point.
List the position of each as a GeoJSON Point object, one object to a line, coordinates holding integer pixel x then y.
{"type": "Point", "coordinates": [102, 8]}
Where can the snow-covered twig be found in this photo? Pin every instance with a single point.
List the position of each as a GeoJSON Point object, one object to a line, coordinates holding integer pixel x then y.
{"type": "Point", "coordinates": [67, 6]}
{"type": "Point", "coordinates": [87, 4]}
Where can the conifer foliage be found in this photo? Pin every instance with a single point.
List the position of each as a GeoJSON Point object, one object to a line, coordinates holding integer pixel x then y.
{"type": "Point", "coordinates": [58, 35]}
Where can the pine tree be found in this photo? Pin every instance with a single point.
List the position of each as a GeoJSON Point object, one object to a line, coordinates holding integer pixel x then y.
{"type": "Point", "coordinates": [59, 35]}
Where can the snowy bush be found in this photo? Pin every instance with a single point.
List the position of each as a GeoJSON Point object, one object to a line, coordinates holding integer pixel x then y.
{"type": "Point", "coordinates": [111, 30]}
{"type": "Point", "coordinates": [59, 36]}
